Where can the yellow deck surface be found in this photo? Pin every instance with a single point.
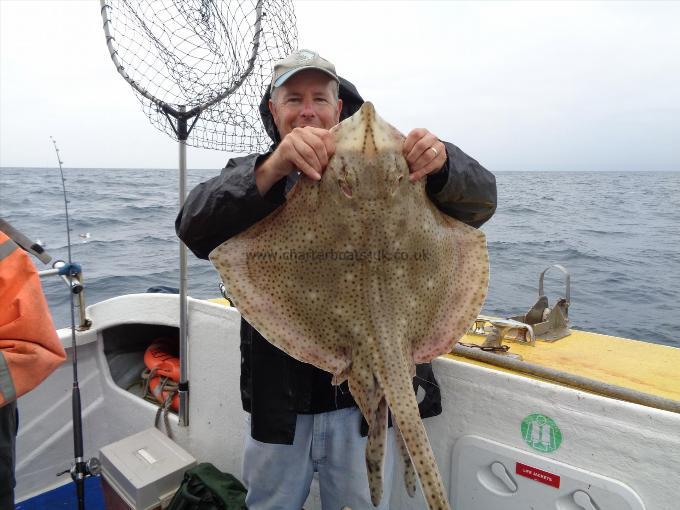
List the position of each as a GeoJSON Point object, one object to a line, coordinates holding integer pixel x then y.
{"type": "Point", "coordinates": [642, 366]}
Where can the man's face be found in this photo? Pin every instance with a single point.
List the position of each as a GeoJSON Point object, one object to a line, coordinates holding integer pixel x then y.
{"type": "Point", "coordinates": [308, 98]}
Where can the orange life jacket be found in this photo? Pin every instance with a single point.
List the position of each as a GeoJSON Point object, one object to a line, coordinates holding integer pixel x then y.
{"type": "Point", "coordinates": [161, 358]}
{"type": "Point", "coordinates": [30, 348]}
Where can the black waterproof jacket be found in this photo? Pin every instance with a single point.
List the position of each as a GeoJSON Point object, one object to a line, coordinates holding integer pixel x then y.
{"type": "Point", "coordinates": [274, 386]}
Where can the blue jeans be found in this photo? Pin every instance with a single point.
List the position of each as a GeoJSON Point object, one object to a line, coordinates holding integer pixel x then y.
{"type": "Point", "coordinates": [278, 477]}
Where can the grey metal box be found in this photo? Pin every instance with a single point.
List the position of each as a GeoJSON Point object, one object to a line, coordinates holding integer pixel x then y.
{"type": "Point", "coordinates": [145, 468]}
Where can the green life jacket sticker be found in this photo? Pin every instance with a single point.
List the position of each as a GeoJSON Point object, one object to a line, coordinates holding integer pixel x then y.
{"type": "Point", "coordinates": [541, 433]}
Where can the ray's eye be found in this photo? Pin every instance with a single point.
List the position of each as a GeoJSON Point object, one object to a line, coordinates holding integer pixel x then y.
{"type": "Point", "coordinates": [343, 183]}
{"type": "Point", "coordinates": [393, 184]}
{"type": "Point", "coordinates": [345, 187]}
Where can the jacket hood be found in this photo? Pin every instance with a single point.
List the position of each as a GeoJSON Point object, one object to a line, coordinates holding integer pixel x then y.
{"type": "Point", "coordinates": [351, 102]}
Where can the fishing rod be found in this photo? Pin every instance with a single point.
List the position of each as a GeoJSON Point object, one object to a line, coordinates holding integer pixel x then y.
{"type": "Point", "coordinates": [80, 469]}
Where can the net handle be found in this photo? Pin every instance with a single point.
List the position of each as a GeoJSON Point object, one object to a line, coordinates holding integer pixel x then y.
{"type": "Point", "coordinates": [110, 44]}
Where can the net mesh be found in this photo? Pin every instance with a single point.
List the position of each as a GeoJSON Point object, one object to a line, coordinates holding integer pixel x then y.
{"type": "Point", "coordinates": [194, 53]}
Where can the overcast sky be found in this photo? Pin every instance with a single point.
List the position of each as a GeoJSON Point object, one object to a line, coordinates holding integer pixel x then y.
{"type": "Point", "coordinates": [518, 85]}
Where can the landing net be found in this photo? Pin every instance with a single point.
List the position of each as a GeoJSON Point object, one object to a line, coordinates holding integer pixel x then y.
{"type": "Point", "coordinates": [215, 56]}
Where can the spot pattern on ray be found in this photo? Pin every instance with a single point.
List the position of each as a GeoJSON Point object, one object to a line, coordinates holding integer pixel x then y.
{"type": "Point", "coordinates": [362, 276]}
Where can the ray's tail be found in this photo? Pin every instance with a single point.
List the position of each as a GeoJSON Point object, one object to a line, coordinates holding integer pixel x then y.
{"type": "Point", "coordinates": [368, 395]}
{"type": "Point", "coordinates": [398, 388]}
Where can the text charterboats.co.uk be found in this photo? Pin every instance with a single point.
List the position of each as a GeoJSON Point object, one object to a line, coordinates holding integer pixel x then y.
{"type": "Point", "coordinates": [352, 255]}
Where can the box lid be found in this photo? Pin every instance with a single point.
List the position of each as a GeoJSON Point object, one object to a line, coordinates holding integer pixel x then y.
{"type": "Point", "coordinates": [144, 467]}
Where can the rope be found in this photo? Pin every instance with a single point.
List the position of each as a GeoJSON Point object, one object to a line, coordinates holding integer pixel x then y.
{"type": "Point", "coordinates": [487, 348]}
{"type": "Point", "coordinates": [166, 421]}
{"type": "Point", "coordinates": [165, 385]}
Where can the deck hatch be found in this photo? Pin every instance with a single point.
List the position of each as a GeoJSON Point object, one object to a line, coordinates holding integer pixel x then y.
{"type": "Point", "coordinates": [534, 481]}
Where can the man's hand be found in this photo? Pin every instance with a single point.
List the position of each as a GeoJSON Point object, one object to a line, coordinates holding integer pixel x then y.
{"type": "Point", "coordinates": [307, 149]}
{"type": "Point", "coordinates": [424, 153]}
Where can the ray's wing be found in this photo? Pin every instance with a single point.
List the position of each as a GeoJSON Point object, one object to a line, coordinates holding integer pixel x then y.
{"type": "Point", "coordinates": [277, 274]}
{"type": "Point", "coordinates": [449, 284]}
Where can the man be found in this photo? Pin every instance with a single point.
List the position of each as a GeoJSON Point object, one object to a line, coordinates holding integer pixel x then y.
{"type": "Point", "coordinates": [300, 423]}
{"type": "Point", "coordinates": [30, 349]}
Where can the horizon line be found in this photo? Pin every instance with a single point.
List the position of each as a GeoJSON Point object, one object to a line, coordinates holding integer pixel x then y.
{"type": "Point", "coordinates": [220, 169]}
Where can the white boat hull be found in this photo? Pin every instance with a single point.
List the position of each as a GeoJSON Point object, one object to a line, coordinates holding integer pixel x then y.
{"type": "Point", "coordinates": [631, 450]}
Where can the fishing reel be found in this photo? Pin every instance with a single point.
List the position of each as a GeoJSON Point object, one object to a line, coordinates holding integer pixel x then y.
{"type": "Point", "coordinates": [71, 274]}
{"type": "Point", "coordinates": [81, 470]}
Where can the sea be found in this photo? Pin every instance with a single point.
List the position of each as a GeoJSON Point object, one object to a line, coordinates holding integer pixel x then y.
{"type": "Point", "coordinates": [616, 233]}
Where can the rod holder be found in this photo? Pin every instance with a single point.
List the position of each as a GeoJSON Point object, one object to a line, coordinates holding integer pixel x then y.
{"type": "Point", "coordinates": [76, 287]}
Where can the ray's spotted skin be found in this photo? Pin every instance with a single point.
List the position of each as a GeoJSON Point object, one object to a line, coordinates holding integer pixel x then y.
{"type": "Point", "coordinates": [362, 276]}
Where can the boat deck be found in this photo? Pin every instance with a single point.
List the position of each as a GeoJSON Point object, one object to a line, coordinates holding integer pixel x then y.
{"type": "Point", "coordinates": [642, 366]}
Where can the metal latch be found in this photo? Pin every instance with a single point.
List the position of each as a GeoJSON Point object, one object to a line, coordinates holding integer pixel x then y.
{"type": "Point", "coordinates": [549, 324]}
{"type": "Point", "coordinates": [496, 330]}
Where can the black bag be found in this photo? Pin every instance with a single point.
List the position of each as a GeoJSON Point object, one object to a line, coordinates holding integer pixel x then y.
{"type": "Point", "coordinates": [207, 488]}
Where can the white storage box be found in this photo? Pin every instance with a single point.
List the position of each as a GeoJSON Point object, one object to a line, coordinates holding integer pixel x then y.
{"type": "Point", "coordinates": [143, 469]}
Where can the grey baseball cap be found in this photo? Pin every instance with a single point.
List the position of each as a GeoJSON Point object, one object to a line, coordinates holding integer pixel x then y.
{"type": "Point", "coordinates": [299, 61]}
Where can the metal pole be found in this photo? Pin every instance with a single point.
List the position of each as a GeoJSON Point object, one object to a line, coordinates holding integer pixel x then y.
{"type": "Point", "coordinates": [183, 311]}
